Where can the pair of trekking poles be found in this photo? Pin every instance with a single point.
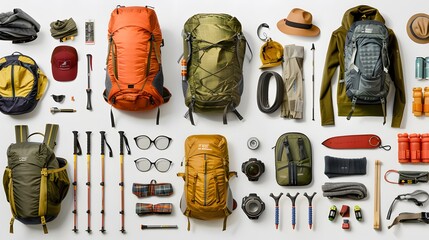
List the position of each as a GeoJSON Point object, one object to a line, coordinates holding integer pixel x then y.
{"type": "Point", "coordinates": [78, 151]}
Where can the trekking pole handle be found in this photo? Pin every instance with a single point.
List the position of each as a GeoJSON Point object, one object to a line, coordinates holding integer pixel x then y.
{"type": "Point", "coordinates": [88, 102]}
{"type": "Point", "coordinates": [88, 142]}
{"type": "Point", "coordinates": [103, 139]}
{"type": "Point", "coordinates": [121, 142]}
{"type": "Point", "coordinates": [76, 145]}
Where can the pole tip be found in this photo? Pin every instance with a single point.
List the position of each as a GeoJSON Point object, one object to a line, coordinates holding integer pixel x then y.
{"type": "Point", "coordinates": [312, 46]}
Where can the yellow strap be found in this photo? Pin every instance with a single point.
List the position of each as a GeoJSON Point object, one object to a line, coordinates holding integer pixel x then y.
{"type": "Point", "coordinates": [43, 201]}
{"type": "Point", "coordinates": [58, 169]}
{"type": "Point", "coordinates": [51, 131]}
{"type": "Point", "coordinates": [11, 196]}
{"type": "Point", "coordinates": [21, 133]}
{"type": "Point", "coordinates": [43, 221]}
{"type": "Point", "coordinates": [224, 223]}
{"type": "Point", "coordinates": [182, 175]}
{"type": "Point", "coordinates": [11, 225]}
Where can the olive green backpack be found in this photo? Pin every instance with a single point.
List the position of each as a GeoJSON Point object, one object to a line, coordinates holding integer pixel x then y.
{"type": "Point", "coordinates": [293, 160]}
{"type": "Point", "coordinates": [212, 73]}
{"type": "Point", "coordinates": [35, 181]}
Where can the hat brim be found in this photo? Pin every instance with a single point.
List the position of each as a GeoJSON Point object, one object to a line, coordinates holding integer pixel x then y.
{"type": "Point", "coordinates": [409, 29]}
{"type": "Point", "coordinates": [64, 75]}
{"type": "Point", "coordinates": [311, 32]}
{"type": "Point", "coordinates": [269, 65]}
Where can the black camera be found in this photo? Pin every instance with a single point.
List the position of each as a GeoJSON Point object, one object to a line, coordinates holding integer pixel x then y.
{"type": "Point", "coordinates": [253, 168]}
{"type": "Point", "coordinates": [253, 206]}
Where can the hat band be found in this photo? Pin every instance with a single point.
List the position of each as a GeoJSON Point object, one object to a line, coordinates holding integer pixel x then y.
{"type": "Point", "coordinates": [298, 25]}
{"type": "Point", "coordinates": [412, 32]}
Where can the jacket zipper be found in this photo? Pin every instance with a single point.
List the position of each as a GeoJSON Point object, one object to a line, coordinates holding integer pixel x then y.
{"type": "Point", "coordinates": [205, 179]}
{"type": "Point", "coordinates": [12, 79]}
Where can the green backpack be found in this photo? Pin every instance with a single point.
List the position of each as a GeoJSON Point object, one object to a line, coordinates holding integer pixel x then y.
{"type": "Point", "coordinates": [35, 181]}
{"type": "Point", "coordinates": [293, 160]}
{"type": "Point", "coordinates": [212, 74]}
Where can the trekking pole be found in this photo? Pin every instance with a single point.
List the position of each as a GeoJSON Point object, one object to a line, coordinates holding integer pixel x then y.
{"type": "Point", "coordinates": [293, 198]}
{"type": "Point", "coordinates": [76, 151]}
{"type": "Point", "coordinates": [88, 174]}
{"type": "Point", "coordinates": [88, 90]}
{"type": "Point", "coordinates": [313, 49]}
{"type": "Point", "coordinates": [310, 208]}
{"type": "Point", "coordinates": [103, 142]}
{"type": "Point", "coordinates": [122, 139]}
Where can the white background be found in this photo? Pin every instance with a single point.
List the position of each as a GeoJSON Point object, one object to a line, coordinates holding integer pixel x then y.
{"type": "Point", "coordinates": [327, 16]}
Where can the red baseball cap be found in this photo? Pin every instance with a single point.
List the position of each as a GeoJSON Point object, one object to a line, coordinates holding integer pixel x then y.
{"type": "Point", "coordinates": [64, 63]}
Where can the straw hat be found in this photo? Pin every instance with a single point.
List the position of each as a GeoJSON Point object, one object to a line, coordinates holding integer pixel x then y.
{"type": "Point", "coordinates": [298, 22]}
{"type": "Point", "coordinates": [418, 28]}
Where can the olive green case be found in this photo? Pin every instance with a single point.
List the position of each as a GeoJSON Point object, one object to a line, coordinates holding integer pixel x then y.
{"type": "Point", "coordinates": [293, 160]}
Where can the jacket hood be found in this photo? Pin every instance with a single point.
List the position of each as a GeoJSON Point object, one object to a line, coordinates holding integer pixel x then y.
{"type": "Point", "coordinates": [362, 12]}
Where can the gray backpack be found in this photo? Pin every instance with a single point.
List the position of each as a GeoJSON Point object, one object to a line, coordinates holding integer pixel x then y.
{"type": "Point", "coordinates": [366, 64]}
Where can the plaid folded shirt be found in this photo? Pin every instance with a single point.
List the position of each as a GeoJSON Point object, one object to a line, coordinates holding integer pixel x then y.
{"type": "Point", "coordinates": [148, 208]}
{"type": "Point", "coordinates": [152, 189]}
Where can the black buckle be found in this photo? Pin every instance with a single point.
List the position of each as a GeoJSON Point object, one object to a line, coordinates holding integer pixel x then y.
{"type": "Point", "coordinates": [425, 217]}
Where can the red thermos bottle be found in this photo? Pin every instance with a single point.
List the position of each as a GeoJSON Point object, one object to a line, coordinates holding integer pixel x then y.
{"type": "Point", "coordinates": [415, 149]}
{"type": "Point", "coordinates": [425, 148]}
{"type": "Point", "coordinates": [403, 148]}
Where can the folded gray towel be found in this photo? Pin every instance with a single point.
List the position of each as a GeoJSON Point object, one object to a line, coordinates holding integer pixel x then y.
{"type": "Point", "coordinates": [352, 190]}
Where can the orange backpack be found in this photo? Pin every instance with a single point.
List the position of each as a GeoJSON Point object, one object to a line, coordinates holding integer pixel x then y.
{"type": "Point", "coordinates": [206, 193]}
{"type": "Point", "coordinates": [134, 79]}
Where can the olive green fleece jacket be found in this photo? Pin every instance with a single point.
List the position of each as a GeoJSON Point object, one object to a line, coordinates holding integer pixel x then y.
{"type": "Point", "coordinates": [335, 57]}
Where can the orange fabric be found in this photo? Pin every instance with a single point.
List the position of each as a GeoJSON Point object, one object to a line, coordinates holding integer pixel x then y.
{"type": "Point", "coordinates": [130, 30]}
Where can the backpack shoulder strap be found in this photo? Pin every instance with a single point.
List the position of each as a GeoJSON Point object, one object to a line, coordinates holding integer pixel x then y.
{"type": "Point", "coordinates": [21, 133]}
{"type": "Point", "coordinates": [51, 131]}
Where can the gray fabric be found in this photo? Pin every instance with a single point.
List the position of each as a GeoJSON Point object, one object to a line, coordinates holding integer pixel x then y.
{"type": "Point", "coordinates": [351, 190]}
{"type": "Point", "coordinates": [337, 167]}
{"type": "Point", "coordinates": [293, 99]}
{"type": "Point", "coordinates": [18, 26]}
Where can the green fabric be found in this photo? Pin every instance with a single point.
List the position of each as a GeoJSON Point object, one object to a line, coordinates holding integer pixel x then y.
{"type": "Point", "coordinates": [300, 166]}
{"type": "Point", "coordinates": [33, 198]}
{"type": "Point", "coordinates": [335, 58]}
{"type": "Point", "coordinates": [63, 28]}
{"type": "Point", "coordinates": [214, 53]}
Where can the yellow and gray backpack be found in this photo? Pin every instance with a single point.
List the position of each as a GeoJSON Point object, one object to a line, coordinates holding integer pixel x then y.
{"type": "Point", "coordinates": [22, 84]}
{"type": "Point", "coordinates": [207, 194]}
{"type": "Point", "coordinates": [35, 181]}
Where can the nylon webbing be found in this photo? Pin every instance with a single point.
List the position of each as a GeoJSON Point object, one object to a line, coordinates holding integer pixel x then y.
{"type": "Point", "coordinates": [21, 133]}
{"type": "Point", "coordinates": [43, 201]}
{"type": "Point", "coordinates": [51, 131]}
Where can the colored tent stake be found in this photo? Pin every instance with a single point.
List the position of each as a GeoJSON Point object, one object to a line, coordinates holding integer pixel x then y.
{"type": "Point", "coordinates": [76, 151]}
{"type": "Point", "coordinates": [310, 209]}
{"type": "Point", "coordinates": [103, 142]}
{"type": "Point", "coordinates": [122, 140]}
{"type": "Point", "coordinates": [277, 213]}
{"type": "Point", "coordinates": [88, 174]}
{"type": "Point", "coordinates": [293, 198]}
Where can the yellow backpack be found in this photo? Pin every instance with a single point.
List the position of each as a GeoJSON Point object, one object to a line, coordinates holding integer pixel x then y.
{"type": "Point", "coordinates": [207, 194]}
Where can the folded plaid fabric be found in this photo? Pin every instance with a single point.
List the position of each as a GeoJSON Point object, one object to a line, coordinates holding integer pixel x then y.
{"type": "Point", "coordinates": [152, 189]}
{"type": "Point", "coordinates": [148, 208]}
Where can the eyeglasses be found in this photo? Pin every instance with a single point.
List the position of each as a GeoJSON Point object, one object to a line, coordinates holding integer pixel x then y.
{"type": "Point", "coordinates": [161, 164]}
{"type": "Point", "coordinates": [144, 142]}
